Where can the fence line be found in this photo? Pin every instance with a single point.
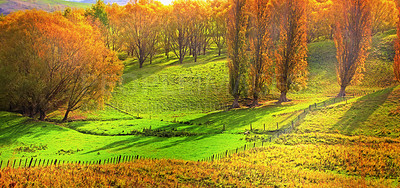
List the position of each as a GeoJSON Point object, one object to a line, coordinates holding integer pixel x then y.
{"type": "Point", "coordinates": [35, 162]}
{"type": "Point", "coordinates": [286, 129]}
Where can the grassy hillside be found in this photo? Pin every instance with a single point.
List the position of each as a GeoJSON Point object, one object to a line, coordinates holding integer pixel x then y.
{"type": "Point", "coordinates": [179, 111]}
{"type": "Point", "coordinates": [8, 6]}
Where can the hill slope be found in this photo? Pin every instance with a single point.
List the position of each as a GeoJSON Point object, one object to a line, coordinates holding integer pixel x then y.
{"type": "Point", "coordinates": [8, 6]}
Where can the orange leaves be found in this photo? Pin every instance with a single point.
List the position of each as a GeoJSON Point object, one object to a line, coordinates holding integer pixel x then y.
{"type": "Point", "coordinates": [62, 61]}
{"type": "Point", "coordinates": [352, 39]}
{"type": "Point", "coordinates": [237, 46]}
{"type": "Point", "coordinates": [396, 64]}
{"type": "Point", "coordinates": [291, 64]}
{"type": "Point", "coordinates": [260, 73]}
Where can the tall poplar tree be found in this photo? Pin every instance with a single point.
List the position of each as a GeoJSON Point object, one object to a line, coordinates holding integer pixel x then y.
{"type": "Point", "coordinates": [236, 40]}
{"type": "Point", "coordinates": [260, 64]}
{"type": "Point", "coordinates": [291, 65]}
{"type": "Point", "coordinates": [352, 39]}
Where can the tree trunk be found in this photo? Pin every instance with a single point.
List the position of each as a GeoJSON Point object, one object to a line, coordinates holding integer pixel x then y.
{"type": "Point", "coordinates": [181, 60]}
{"type": "Point", "coordinates": [66, 116]}
{"type": "Point", "coordinates": [255, 100]}
{"type": "Point", "coordinates": [283, 97]}
{"type": "Point", "coordinates": [342, 92]}
{"type": "Point", "coordinates": [219, 51]}
{"type": "Point", "coordinates": [236, 102]}
{"type": "Point", "coordinates": [42, 115]}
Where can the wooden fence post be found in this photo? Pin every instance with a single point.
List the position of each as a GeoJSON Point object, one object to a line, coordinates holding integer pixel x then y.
{"type": "Point", "coordinates": [30, 163]}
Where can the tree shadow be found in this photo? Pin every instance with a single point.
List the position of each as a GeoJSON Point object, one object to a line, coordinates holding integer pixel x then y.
{"type": "Point", "coordinates": [14, 127]}
{"type": "Point", "coordinates": [361, 110]}
{"type": "Point", "coordinates": [141, 141]}
{"type": "Point", "coordinates": [238, 118]}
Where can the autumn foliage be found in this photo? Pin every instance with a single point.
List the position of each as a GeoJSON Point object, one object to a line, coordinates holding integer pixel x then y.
{"type": "Point", "coordinates": [352, 40]}
{"type": "Point", "coordinates": [237, 46]}
{"type": "Point", "coordinates": [260, 73]}
{"type": "Point", "coordinates": [291, 64]}
{"type": "Point", "coordinates": [396, 65]}
{"type": "Point", "coordinates": [51, 62]}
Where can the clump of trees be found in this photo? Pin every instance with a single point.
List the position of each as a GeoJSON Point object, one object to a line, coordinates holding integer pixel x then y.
{"type": "Point", "coordinates": [264, 34]}
{"type": "Point", "coordinates": [50, 62]}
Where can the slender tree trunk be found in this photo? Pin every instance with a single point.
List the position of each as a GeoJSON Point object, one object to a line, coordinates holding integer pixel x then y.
{"type": "Point", "coordinates": [342, 92]}
{"type": "Point", "coordinates": [236, 102]}
{"type": "Point", "coordinates": [42, 115]}
{"type": "Point", "coordinates": [283, 97]}
{"type": "Point", "coordinates": [66, 116]}
{"type": "Point", "coordinates": [255, 100]}
{"type": "Point", "coordinates": [219, 51]}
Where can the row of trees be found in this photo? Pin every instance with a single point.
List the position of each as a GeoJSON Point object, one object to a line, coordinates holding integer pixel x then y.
{"type": "Point", "coordinates": [253, 50]}
{"type": "Point", "coordinates": [143, 28]}
{"type": "Point", "coordinates": [50, 61]}
{"type": "Point", "coordinates": [264, 35]}
{"type": "Point", "coordinates": [268, 40]}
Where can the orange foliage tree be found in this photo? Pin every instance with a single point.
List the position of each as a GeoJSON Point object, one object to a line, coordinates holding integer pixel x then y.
{"type": "Point", "coordinates": [319, 19]}
{"type": "Point", "coordinates": [236, 39]}
{"type": "Point", "coordinates": [218, 23]}
{"type": "Point", "coordinates": [179, 28]}
{"type": "Point", "coordinates": [259, 40]}
{"type": "Point", "coordinates": [352, 39]}
{"type": "Point", "coordinates": [53, 63]}
{"type": "Point", "coordinates": [396, 65]}
{"type": "Point", "coordinates": [291, 65]}
{"type": "Point", "coordinates": [139, 27]}
{"type": "Point", "coordinates": [383, 15]}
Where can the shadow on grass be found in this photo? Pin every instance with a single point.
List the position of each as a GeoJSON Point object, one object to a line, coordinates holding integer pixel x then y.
{"type": "Point", "coordinates": [361, 110]}
{"type": "Point", "coordinates": [14, 127]}
{"type": "Point", "coordinates": [238, 118]}
{"type": "Point", "coordinates": [141, 141]}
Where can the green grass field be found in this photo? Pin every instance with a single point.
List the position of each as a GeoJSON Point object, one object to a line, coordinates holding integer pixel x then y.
{"type": "Point", "coordinates": [180, 111]}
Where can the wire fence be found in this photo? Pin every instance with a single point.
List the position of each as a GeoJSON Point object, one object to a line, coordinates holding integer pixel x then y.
{"type": "Point", "coordinates": [286, 129]}
{"type": "Point", "coordinates": [35, 162]}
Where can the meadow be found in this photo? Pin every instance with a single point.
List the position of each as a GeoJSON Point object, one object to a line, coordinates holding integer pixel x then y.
{"type": "Point", "coordinates": [178, 114]}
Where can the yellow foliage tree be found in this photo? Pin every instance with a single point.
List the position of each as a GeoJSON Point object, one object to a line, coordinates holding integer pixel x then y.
{"type": "Point", "coordinates": [260, 73]}
{"type": "Point", "coordinates": [236, 40]}
{"type": "Point", "coordinates": [54, 63]}
{"type": "Point", "coordinates": [352, 39]}
{"type": "Point", "coordinates": [291, 64]}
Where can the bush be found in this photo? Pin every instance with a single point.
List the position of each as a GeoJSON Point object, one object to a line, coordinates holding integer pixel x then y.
{"type": "Point", "coordinates": [122, 56]}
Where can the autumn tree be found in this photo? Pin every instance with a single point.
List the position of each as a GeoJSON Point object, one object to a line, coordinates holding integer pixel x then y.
{"type": "Point", "coordinates": [383, 15]}
{"type": "Point", "coordinates": [236, 39]}
{"type": "Point", "coordinates": [319, 19]}
{"type": "Point", "coordinates": [291, 64]}
{"type": "Point", "coordinates": [95, 79]}
{"type": "Point", "coordinates": [139, 27]}
{"type": "Point", "coordinates": [218, 23]}
{"type": "Point", "coordinates": [396, 65]}
{"type": "Point", "coordinates": [46, 57]}
{"type": "Point", "coordinates": [98, 15]}
{"type": "Point", "coordinates": [179, 29]}
{"type": "Point", "coordinates": [352, 38]}
{"type": "Point", "coordinates": [260, 44]}
{"type": "Point", "coordinates": [113, 13]}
